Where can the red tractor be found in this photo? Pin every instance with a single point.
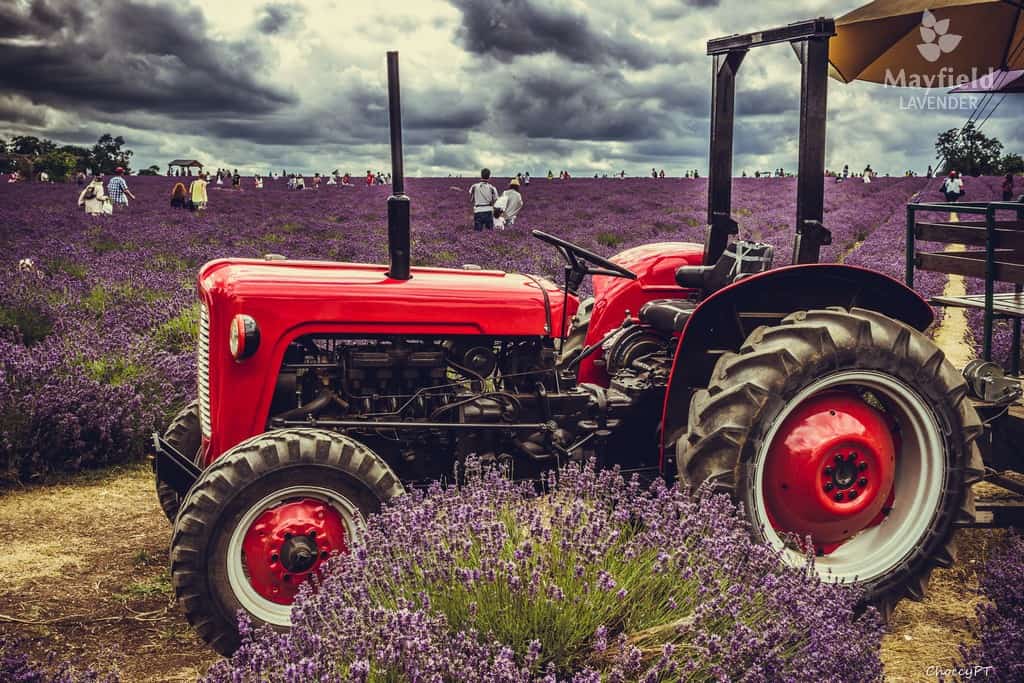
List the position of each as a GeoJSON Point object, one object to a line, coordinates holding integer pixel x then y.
{"type": "Point", "coordinates": [809, 392]}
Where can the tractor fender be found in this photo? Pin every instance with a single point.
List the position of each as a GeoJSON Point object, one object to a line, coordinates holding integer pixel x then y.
{"type": "Point", "coordinates": [722, 321]}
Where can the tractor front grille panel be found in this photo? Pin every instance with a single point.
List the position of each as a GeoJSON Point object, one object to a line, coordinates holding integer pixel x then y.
{"type": "Point", "coordinates": [203, 365]}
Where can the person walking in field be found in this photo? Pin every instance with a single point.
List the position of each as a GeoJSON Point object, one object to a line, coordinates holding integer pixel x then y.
{"type": "Point", "coordinates": [118, 190]}
{"type": "Point", "coordinates": [953, 187]}
{"type": "Point", "coordinates": [197, 191]}
{"type": "Point", "coordinates": [179, 196]}
{"type": "Point", "coordinates": [483, 195]}
{"type": "Point", "coordinates": [1008, 188]}
{"type": "Point", "coordinates": [509, 204]}
{"type": "Point", "coordinates": [93, 198]}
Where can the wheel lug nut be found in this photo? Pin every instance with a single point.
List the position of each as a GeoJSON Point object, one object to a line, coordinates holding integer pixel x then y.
{"type": "Point", "coordinates": [287, 536]}
{"type": "Point", "coordinates": [853, 494]}
{"type": "Point", "coordinates": [853, 457]}
{"type": "Point", "coordinates": [862, 466]}
{"type": "Point", "coordinates": [863, 481]}
{"type": "Point", "coordinates": [839, 496]}
{"type": "Point", "coordinates": [312, 534]}
{"type": "Point", "coordinates": [838, 458]}
{"type": "Point", "coordinates": [273, 558]}
{"type": "Point", "coordinates": [828, 470]}
{"type": "Point", "coordinates": [828, 486]}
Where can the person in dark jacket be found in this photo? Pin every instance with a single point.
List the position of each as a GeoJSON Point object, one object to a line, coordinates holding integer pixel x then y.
{"type": "Point", "coordinates": [179, 197]}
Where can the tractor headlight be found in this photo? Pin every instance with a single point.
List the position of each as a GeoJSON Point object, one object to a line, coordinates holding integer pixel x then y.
{"type": "Point", "coordinates": [244, 338]}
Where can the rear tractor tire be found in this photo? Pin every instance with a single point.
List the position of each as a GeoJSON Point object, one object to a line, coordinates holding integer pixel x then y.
{"type": "Point", "coordinates": [186, 436]}
{"type": "Point", "coordinates": [848, 428]}
{"type": "Point", "coordinates": [263, 518]}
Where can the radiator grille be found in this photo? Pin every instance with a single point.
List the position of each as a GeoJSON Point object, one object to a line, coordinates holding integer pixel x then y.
{"type": "Point", "coordinates": [203, 365]}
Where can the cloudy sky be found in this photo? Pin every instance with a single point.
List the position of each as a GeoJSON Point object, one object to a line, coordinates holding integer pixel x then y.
{"type": "Point", "coordinates": [586, 85]}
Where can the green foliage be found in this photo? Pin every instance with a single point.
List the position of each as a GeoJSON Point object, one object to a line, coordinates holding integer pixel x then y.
{"type": "Point", "coordinates": [152, 170]}
{"type": "Point", "coordinates": [969, 151]}
{"type": "Point", "coordinates": [1011, 163]}
{"type": "Point", "coordinates": [610, 239]}
{"type": "Point", "coordinates": [112, 370]}
{"type": "Point", "coordinates": [101, 299]}
{"type": "Point", "coordinates": [58, 164]}
{"type": "Point", "coordinates": [61, 264]}
{"type": "Point", "coordinates": [30, 319]}
{"type": "Point", "coordinates": [108, 153]}
{"type": "Point", "coordinates": [102, 243]}
{"type": "Point", "coordinates": [178, 334]}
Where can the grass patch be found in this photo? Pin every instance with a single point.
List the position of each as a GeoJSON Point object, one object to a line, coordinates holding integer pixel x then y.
{"type": "Point", "coordinates": [610, 239]}
{"type": "Point", "coordinates": [112, 370]}
{"type": "Point", "coordinates": [178, 334]}
{"type": "Point", "coordinates": [100, 298]}
{"type": "Point", "coordinates": [30, 320]}
{"type": "Point", "coordinates": [61, 264]}
{"type": "Point", "coordinates": [158, 586]}
{"type": "Point", "coordinates": [104, 243]}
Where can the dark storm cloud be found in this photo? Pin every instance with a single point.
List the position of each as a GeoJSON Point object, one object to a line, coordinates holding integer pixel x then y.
{"type": "Point", "coordinates": [580, 105]}
{"type": "Point", "coordinates": [128, 56]}
{"type": "Point", "coordinates": [511, 28]}
{"type": "Point", "coordinates": [276, 19]}
{"type": "Point", "coordinates": [39, 18]}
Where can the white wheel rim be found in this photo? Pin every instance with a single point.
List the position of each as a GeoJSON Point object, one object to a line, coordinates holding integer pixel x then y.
{"type": "Point", "coordinates": [238, 579]}
{"type": "Point", "coordinates": [919, 483]}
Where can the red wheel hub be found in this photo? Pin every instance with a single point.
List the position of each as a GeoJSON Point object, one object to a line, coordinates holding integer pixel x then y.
{"type": "Point", "coordinates": [830, 469]}
{"type": "Point", "coordinates": [287, 543]}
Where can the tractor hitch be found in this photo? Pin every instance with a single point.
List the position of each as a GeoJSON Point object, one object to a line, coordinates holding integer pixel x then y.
{"type": "Point", "coordinates": [173, 468]}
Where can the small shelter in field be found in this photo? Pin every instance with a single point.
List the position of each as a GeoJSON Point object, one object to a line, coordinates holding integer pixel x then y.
{"type": "Point", "coordinates": [186, 166]}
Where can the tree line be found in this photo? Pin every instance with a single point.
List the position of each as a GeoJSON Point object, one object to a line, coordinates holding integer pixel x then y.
{"type": "Point", "coordinates": [30, 155]}
{"type": "Point", "coordinates": [973, 153]}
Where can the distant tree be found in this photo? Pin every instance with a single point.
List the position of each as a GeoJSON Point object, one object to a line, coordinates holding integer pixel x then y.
{"type": "Point", "coordinates": [58, 164]}
{"type": "Point", "coordinates": [1011, 163]}
{"type": "Point", "coordinates": [108, 153]}
{"type": "Point", "coordinates": [152, 170]}
{"type": "Point", "coordinates": [969, 151]}
{"type": "Point", "coordinates": [80, 153]}
{"type": "Point", "coordinates": [30, 145]}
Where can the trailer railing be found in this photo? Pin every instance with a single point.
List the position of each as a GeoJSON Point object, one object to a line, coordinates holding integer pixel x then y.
{"type": "Point", "coordinates": [998, 257]}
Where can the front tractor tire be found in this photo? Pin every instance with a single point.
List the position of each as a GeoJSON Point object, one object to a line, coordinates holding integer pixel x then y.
{"type": "Point", "coordinates": [847, 428]}
{"type": "Point", "coordinates": [263, 518]}
{"type": "Point", "coordinates": [186, 436]}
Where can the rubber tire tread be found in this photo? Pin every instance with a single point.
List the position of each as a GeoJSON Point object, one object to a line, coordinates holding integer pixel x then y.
{"type": "Point", "coordinates": [278, 453]}
{"type": "Point", "coordinates": [729, 419]}
{"type": "Point", "coordinates": [186, 435]}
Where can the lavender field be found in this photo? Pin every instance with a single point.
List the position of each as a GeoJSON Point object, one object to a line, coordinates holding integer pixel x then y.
{"type": "Point", "coordinates": [96, 338]}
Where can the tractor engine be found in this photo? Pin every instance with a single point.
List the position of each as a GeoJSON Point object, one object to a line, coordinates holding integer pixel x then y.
{"type": "Point", "coordinates": [420, 401]}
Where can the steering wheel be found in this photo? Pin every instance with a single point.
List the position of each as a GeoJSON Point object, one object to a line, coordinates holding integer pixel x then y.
{"type": "Point", "coordinates": [583, 261]}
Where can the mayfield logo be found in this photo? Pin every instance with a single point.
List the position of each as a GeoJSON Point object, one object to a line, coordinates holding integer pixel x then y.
{"type": "Point", "coordinates": [937, 39]}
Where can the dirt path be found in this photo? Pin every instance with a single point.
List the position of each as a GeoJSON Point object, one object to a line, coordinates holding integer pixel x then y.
{"type": "Point", "coordinates": [84, 563]}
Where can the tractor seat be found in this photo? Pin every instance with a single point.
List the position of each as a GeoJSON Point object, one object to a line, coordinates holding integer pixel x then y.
{"type": "Point", "coordinates": [667, 316]}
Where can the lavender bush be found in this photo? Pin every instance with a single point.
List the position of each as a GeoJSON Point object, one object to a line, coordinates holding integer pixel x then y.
{"type": "Point", "coordinates": [999, 653]}
{"type": "Point", "coordinates": [601, 580]}
{"type": "Point", "coordinates": [96, 335]}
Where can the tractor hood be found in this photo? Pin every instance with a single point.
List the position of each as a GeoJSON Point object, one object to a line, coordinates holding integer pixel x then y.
{"type": "Point", "coordinates": [347, 297]}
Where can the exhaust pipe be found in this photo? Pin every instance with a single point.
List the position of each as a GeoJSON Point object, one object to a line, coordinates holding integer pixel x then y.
{"type": "Point", "coordinates": [398, 202]}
